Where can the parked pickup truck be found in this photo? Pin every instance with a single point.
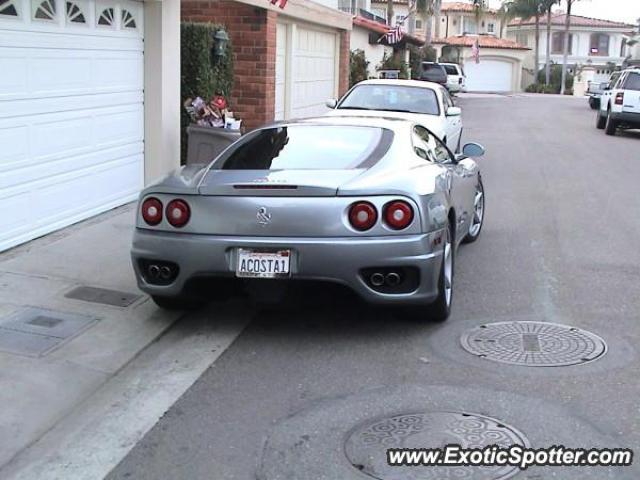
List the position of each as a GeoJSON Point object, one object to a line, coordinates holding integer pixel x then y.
{"type": "Point", "coordinates": [620, 104]}
{"type": "Point", "coordinates": [596, 89]}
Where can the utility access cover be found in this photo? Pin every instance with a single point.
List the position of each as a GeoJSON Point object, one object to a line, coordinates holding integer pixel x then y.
{"type": "Point", "coordinates": [533, 344]}
{"type": "Point", "coordinates": [366, 447]}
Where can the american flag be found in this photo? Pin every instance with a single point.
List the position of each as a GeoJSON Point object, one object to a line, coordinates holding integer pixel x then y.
{"type": "Point", "coordinates": [475, 50]}
{"type": "Point", "coordinates": [281, 3]}
{"type": "Point", "coordinates": [394, 35]}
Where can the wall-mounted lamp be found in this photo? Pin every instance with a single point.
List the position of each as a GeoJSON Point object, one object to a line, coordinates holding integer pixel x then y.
{"type": "Point", "coordinates": [219, 48]}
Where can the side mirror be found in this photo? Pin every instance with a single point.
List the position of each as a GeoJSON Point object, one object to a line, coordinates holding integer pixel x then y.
{"type": "Point", "coordinates": [333, 103]}
{"type": "Point", "coordinates": [473, 150]}
{"type": "Point", "coordinates": [454, 112]}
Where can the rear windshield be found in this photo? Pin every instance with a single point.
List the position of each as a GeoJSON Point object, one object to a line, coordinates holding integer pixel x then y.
{"type": "Point", "coordinates": [451, 70]}
{"type": "Point", "coordinates": [392, 98]}
{"type": "Point", "coordinates": [632, 82]}
{"type": "Point", "coordinates": [317, 147]}
{"type": "Point", "coordinates": [431, 66]}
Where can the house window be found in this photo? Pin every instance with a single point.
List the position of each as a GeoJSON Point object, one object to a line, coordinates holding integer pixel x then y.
{"type": "Point", "coordinates": [74, 13]}
{"type": "Point", "coordinates": [44, 10]}
{"type": "Point", "coordinates": [127, 20]}
{"type": "Point", "coordinates": [557, 43]}
{"type": "Point", "coordinates": [522, 39]}
{"type": "Point", "coordinates": [8, 8]}
{"type": "Point", "coordinates": [491, 28]}
{"type": "Point", "coordinates": [106, 18]}
{"type": "Point", "coordinates": [599, 45]}
{"type": "Point", "coordinates": [418, 24]}
{"type": "Point", "coordinates": [623, 48]}
{"type": "Point", "coordinates": [470, 26]}
{"type": "Point", "coordinates": [399, 19]}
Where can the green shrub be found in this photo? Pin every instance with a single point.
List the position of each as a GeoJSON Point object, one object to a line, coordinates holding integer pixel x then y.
{"type": "Point", "coordinates": [555, 80]}
{"type": "Point", "coordinates": [199, 76]}
{"type": "Point", "coordinates": [358, 67]}
{"type": "Point", "coordinates": [394, 62]}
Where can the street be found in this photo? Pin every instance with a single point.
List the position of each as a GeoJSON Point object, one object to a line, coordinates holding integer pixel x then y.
{"type": "Point", "coordinates": [559, 245]}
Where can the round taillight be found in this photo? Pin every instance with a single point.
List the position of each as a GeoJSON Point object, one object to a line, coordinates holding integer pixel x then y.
{"type": "Point", "coordinates": [398, 214]}
{"type": "Point", "coordinates": [363, 216]}
{"type": "Point", "coordinates": [178, 213]}
{"type": "Point", "coordinates": [152, 211]}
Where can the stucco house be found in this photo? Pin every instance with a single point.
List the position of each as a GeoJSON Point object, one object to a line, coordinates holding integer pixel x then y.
{"type": "Point", "coordinates": [594, 44]}
{"type": "Point", "coordinates": [455, 31]}
{"type": "Point", "coordinates": [368, 35]}
{"type": "Point", "coordinates": [90, 93]}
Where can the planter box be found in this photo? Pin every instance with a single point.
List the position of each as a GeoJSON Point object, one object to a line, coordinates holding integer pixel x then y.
{"type": "Point", "coordinates": [206, 143]}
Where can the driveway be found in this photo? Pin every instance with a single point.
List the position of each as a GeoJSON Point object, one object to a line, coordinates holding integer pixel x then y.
{"type": "Point", "coordinates": [560, 244]}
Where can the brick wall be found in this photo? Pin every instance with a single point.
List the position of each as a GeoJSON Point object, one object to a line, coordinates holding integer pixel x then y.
{"type": "Point", "coordinates": [343, 79]}
{"type": "Point", "coordinates": [253, 35]}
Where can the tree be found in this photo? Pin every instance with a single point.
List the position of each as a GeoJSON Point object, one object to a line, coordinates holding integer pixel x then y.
{"type": "Point", "coordinates": [426, 9]}
{"type": "Point", "coordinates": [526, 9]}
{"type": "Point", "coordinates": [565, 54]}
{"type": "Point", "coordinates": [548, 4]}
{"type": "Point", "coordinates": [389, 12]}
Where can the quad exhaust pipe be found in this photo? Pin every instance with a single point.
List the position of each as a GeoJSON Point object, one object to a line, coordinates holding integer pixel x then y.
{"type": "Point", "coordinates": [378, 279]}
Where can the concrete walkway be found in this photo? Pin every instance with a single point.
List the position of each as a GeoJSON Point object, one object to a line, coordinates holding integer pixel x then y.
{"type": "Point", "coordinates": [43, 392]}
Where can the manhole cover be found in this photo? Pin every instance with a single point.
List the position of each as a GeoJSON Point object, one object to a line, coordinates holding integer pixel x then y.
{"type": "Point", "coordinates": [534, 344]}
{"type": "Point", "coordinates": [105, 296]}
{"type": "Point", "coordinates": [366, 447]}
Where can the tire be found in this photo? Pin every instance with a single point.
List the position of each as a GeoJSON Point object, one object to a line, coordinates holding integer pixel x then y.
{"type": "Point", "coordinates": [611, 125]}
{"type": "Point", "coordinates": [478, 214]}
{"type": "Point", "coordinates": [600, 120]}
{"type": "Point", "coordinates": [177, 303]}
{"type": "Point", "coordinates": [440, 309]}
{"type": "Point", "coordinates": [594, 104]}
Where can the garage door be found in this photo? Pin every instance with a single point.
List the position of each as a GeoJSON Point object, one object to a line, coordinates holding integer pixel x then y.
{"type": "Point", "coordinates": [489, 76]}
{"type": "Point", "coordinates": [306, 73]}
{"type": "Point", "coordinates": [71, 112]}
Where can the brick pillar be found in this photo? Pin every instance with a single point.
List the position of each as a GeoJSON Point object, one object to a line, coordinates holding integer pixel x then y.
{"type": "Point", "coordinates": [252, 31]}
{"type": "Point", "coordinates": [343, 79]}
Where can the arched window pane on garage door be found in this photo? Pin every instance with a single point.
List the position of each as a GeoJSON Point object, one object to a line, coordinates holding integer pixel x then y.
{"type": "Point", "coordinates": [8, 8]}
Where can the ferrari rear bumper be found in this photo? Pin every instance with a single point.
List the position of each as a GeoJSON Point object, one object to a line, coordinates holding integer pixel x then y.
{"type": "Point", "coordinates": [348, 261]}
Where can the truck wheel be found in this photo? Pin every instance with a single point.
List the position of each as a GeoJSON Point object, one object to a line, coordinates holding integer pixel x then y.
{"type": "Point", "coordinates": [611, 126]}
{"type": "Point", "coordinates": [593, 103]}
{"type": "Point", "coordinates": [600, 120]}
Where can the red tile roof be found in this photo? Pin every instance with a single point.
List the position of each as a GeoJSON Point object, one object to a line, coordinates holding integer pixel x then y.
{"type": "Point", "coordinates": [576, 20]}
{"type": "Point", "coordinates": [485, 41]}
{"type": "Point", "coordinates": [462, 7]}
{"type": "Point", "coordinates": [381, 28]}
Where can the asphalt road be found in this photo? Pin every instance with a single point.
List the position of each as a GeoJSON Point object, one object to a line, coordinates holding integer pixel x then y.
{"type": "Point", "coordinates": [560, 244]}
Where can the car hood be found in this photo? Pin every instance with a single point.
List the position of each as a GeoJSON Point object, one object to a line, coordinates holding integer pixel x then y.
{"type": "Point", "coordinates": [432, 122]}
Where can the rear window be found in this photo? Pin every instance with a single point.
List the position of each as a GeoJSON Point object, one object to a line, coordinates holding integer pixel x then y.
{"type": "Point", "coordinates": [317, 147]}
{"type": "Point", "coordinates": [431, 67]}
{"type": "Point", "coordinates": [632, 82]}
{"type": "Point", "coordinates": [391, 98]}
{"type": "Point", "coordinates": [451, 70]}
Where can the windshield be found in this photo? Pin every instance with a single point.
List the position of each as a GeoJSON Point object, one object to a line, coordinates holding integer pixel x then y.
{"type": "Point", "coordinates": [318, 147]}
{"type": "Point", "coordinates": [392, 98]}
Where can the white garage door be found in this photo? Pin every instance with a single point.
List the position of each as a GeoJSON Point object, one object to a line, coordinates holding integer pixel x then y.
{"type": "Point", "coordinates": [71, 112]}
{"type": "Point", "coordinates": [306, 73]}
{"type": "Point", "coordinates": [489, 76]}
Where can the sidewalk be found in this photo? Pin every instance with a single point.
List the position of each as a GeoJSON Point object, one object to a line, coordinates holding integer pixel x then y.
{"type": "Point", "coordinates": [68, 348]}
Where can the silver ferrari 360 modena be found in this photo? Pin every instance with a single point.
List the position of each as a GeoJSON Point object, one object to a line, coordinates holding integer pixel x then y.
{"type": "Point", "coordinates": [379, 205]}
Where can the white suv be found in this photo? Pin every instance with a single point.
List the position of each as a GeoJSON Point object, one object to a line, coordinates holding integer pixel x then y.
{"type": "Point", "coordinates": [455, 77]}
{"type": "Point", "coordinates": [620, 103]}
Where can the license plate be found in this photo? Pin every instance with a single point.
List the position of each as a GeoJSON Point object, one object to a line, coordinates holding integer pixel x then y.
{"type": "Point", "coordinates": [263, 264]}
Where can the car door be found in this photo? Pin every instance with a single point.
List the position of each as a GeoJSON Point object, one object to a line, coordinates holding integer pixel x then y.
{"type": "Point", "coordinates": [462, 178]}
{"type": "Point", "coordinates": [631, 88]}
{"type": "Point", "coordinates": [453, 123]}
{"type": "Point", "coordinates": [605, 100]}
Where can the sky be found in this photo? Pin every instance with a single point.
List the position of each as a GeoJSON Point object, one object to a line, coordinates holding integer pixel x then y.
{"type": "Point", "coordinates": [619, 10]}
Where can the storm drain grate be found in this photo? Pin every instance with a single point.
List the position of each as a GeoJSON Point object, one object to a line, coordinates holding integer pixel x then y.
{"type": "Point", "coordinates": [105, 296]}
{"type": "Point", "coordinates": [35, 331]}
{"type": "Point", "coordinates": [533, 344]}
{"type": "Point", "coordinates": [366, 446]}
